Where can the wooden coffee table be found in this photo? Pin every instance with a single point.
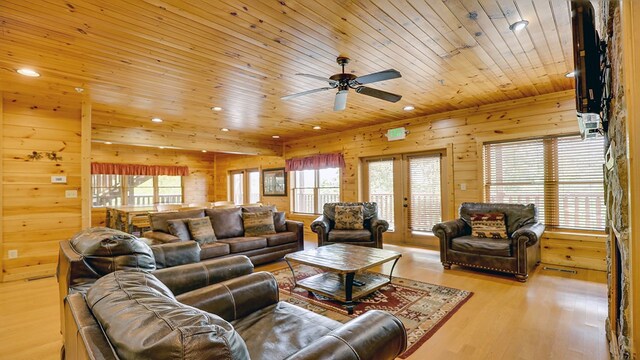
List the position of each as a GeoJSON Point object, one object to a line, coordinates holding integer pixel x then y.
{"type": "Point", "coordinates": [345, 278]}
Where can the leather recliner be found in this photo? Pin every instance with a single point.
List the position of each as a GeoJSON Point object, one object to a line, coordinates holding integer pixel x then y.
{"type": "Point", "coordinates": [132, 314]}
{"type": "Point", "coordinates": [517, 255]}
{"type": "Point", "coordinates": [370, 236]}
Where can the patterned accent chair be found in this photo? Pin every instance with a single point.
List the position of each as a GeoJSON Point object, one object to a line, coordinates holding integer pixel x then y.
{"type": "Point", "coordinates": [518, 254]}
{"type": "Point", "coordinates": [370, 236]}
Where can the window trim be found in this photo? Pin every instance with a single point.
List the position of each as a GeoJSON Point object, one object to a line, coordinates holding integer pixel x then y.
{"type": "Point", "coordinates": [124, 188]}
{"type": "Point", "coordinates": [292, 188]}
{"type": "Point", "coordinates": [551, 183]}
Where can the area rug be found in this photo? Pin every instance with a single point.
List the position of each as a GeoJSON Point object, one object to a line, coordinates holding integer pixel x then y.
{"type": "Point", "coordinates": [423, 308]}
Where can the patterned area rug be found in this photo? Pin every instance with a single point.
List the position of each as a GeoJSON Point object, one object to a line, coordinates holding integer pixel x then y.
{"type": "Point", "coordinates": [423, 308]}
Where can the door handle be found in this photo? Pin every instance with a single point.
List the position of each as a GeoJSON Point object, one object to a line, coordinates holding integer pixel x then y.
{"type": "Point", "coordinates": [405, 205]}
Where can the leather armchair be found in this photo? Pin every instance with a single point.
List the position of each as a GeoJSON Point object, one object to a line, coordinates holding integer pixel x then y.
{"type": "Point", "coordinates": [517, 255]}
{"type": "Point", "coordinates": [241, 318]}
{"type": "Point", "coordinates": [370, 236]}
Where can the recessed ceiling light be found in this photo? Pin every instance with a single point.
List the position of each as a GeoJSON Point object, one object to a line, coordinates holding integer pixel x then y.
{"type": "Point", "coordinates": [317, 127]}
{"type": "Point", "coordinates": [518, 25]}
{"type": "Point", "coordinates": [224, 129]}
{"type": "Point", "coordinates": [216, 108]}
{"type": "Point", "coordinates": [204, 151]}
{"type": "Point", "coordinates": [570, 74]}
{"type": "Point", "coordinates": [276, 136]}
{"type": "Point", "coordinates": [28, 72]}
{"type": "Point", "coordinates": [161, 147]}
{"type": "Point", "coordinates": [108, 142]}
{"type": "Point", "coordinates": [79, 90]}
{"type": "Point", "coordinates": [408, 108]}
{"type": "Point", "coordinates": [156, 120]}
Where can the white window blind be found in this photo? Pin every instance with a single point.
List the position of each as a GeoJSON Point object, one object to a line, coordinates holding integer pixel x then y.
{"type": "Point", "coordinates": [561, 175]}
{"type": "Point", "coordinates": [425, 206]}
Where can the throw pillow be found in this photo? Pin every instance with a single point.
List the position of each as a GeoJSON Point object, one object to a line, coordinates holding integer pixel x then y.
{"type": "Point", "coordinates": [258, 223]}
{"type": "Point", "coordinates": [489, 225]}
{"type": "Point", "coordinates": [349, 217]}
{"type": "Point", "coordinates": [279, 221]}
{"type": "Point", "coordinates": [179, 228]}
{"type": "Point", "coordinates": [201, 230]}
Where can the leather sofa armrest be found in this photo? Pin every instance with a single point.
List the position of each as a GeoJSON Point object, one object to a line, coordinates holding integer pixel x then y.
{"type": "Point", "coordinates": [158, 237]}
{"type": "Point", "coordinates": [373, 335]}
{"type": "Point", "coordinates": [450, 229]}
{"type": "Point", "coordinates": [320, 225]}
{"type": "Point", "coordinates": [378, 227]}
{"type": "Point", "coordinates": [235, 298]}
{"type": "Point", "coordinates": [297, 227]}
{"type": "Point", "coordinates": [530, 233]}
{"type": "Point", "coordinates": [176, 253]}
{"type": "Point", "coordinates": [184, 278]}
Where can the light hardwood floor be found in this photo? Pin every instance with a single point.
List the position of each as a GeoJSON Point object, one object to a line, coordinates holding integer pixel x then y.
{"type": "Point", "coordinates": [554, 315]}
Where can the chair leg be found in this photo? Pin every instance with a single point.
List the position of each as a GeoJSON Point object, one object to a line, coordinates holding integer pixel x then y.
{"type": "Point", "coordinates": [522, 277]}
{"type": "Point", "coordinates": [447, 265]}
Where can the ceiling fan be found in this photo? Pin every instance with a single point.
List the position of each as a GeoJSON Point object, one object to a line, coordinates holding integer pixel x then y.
{"type": "Point", "coordinates": [343, 82]}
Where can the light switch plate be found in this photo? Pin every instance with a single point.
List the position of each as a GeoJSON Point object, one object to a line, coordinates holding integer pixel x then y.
{"type": "Point", "coordinates": [71, 194]}
{"type": "Point", "coordinates": [463, 186]}
{"type": "Point", "coordinates": [58, 179]}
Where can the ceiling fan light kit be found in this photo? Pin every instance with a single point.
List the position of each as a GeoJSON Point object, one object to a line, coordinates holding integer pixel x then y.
{"type": "Point", "coordinates": [343, 82]}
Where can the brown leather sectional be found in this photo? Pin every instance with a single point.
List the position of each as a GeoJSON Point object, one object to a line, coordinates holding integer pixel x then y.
{"type": "Point", "coordinates": [228, 227]}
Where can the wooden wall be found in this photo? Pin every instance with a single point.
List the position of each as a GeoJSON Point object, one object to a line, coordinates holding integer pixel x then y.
{"type": "Point", "coordinates": [198, 186]}
{"type": "Point", "coordinates": [463, 133]}
{"type": "Point", "coordinates": [226, 163]}
{"type": "Point", "coordinates": [35, 213]}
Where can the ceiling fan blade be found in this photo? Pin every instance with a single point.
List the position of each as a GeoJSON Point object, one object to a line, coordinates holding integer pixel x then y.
{"type": "Point", "coordinates": [321, 78]}
{"type": "Point", "coordinates": [379, 76]}
{"type": "Point", "coordinates": [305, 93]}
{"type": "Point", "coordinates": [378, 94]}
{"type": "Point", "coordinates": [341, 100]}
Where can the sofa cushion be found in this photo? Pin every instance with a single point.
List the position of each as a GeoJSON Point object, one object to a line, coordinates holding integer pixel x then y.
{"type": "Point", "coordinates": [482, 246]}
{"type": "Point", "coordinates": [107, 250]}
{"type": "Point", "coordinates": [516, 215]}
{"type": "Point", "coordinates": [227, 222]}
{"type": "Point", "coordinates": [201, 230]}
{"type": "Point", "coordinates": [281, 238]}
{"type": "Point", "coordinates": [258, 223]}
{"type": "Point", "coordinates": [257, 208]}
{"type": "Point", "coordinates": [349, 217]}
{"type": "Point", "coordinates": [241, 244]}
{"type": "Point", "coordinates": [179, 228]}
{"type": "Point", "coordinates": [370, 209]}
{"type": "Point", "coordinates": [214, 250]}
{"type": "Point", "coordinates": [143, 320]}
{"type": "Point", "coordinates": [488, 225]}
{"type": "Point", "coordinates": [279, 221]}
{"type": "Point", "coordinates": [278, 331]}
{"type": "Point", "coordinates": [177, 253]}
{"type": "Point", "coordinates": [349, 235]}
{"type": "Point", "coordinates": [158, 220]}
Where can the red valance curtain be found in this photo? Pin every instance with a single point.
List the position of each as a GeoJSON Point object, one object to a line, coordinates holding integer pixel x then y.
{"type": "Point", "coordinates": [137, 169]}
{"type": "Point", "coordinates": [315, 162]}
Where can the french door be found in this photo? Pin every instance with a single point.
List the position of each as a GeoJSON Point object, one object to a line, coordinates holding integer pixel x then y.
{"type": "Point", "coordinates": [410, 194]}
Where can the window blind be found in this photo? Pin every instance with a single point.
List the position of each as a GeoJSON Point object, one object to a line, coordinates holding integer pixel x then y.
{"type": "Point", "coordinates": [425, 207]}
{"type": "Point", "coordinates": [563, 176]}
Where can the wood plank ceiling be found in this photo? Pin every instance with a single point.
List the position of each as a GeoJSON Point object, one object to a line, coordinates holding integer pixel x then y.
{"type": "Point", "coordinates": [176, 59]}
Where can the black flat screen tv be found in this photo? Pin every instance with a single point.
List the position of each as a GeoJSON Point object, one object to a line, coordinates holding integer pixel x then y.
{"type": "Point", "coordinates": [586, 58]}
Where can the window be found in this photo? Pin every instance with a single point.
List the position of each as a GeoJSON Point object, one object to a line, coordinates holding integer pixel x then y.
{"type": "Point", "coordinates": [561, 175]}
{"type": "Point", "coordinates": [244, 186]}
{"type": "Point", "coordinates": [106, 190]}
{"type": "Point", "coordinates": [115, 190]}
{"type": "Point", "coordinates": [314, 188]}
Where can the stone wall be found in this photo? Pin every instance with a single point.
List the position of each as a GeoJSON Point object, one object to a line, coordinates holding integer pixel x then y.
{"type": "Point", "coordinates": [616, 178]}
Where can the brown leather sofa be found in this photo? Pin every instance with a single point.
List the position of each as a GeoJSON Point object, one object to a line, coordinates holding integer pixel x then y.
{"type": "Point", "coordinates": [134, 314]}
{"type": "Point", "coordinates": [370, 236]}
{"type": "Point", "coordinates": [229, 229]}
{"type": "Point", "coordinates": [517, 255]}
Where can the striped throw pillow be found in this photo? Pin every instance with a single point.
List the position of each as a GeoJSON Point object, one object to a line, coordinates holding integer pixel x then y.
{"type": "Point", "coordinates": [489, 225]}
{"type": "Point", "coordinates": [258, 223]}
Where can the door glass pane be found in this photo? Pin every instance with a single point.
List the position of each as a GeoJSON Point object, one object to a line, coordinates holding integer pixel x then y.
{"type": "Point", "coordinates": [381, 189]}
{"type": "Point", "coordinates": [254, 186]}
{"type": "Point", "coordinates": [328, 187]}
{"type": "Point", "coordinates": [139, 190]}
{"type": "Point", "coordinates": [237, 189]}
{"type": "Point", "coordinates": [106, 190]}
{"type": "Point", "coordinates": [425, 207]}
{"type": "Point", "coordinates": [170, 189]}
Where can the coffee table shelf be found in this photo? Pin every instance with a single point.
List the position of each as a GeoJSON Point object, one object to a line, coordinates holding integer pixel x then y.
{"type": "Point", "coordinates": [333, 285]}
